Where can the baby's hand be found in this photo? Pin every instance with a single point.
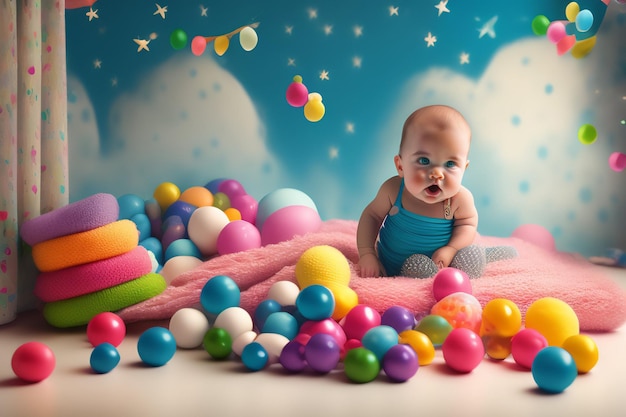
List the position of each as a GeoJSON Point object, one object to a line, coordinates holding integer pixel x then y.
{"type": "Point", "coordinates": [369, 266]}
{"type": "Point", "coordinates": [443, 256]}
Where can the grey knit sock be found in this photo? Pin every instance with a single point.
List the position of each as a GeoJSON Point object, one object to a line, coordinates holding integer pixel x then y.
{"type": "Point", "coordinates": [471, 260]}
{"type": "Point", "coordinates": [499, 253]}
{"type": "Point", "coordinates": [418, 266]}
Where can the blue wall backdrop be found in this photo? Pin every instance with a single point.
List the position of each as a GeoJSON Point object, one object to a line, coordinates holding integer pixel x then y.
{"type": "Point", "coordinates": [142, 117]}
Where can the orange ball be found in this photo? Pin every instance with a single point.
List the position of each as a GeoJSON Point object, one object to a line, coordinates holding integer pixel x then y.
{"type": "Point", "coordinates": [197, 196]}
{"type": "Point", "coordinates": [232, 214]}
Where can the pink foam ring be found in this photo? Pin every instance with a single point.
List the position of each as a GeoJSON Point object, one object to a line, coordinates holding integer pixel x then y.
{"type": "Point", "coordinates": [247, 206]}
{"type": "Point", "coordinates": [461, 310]}
{"type": "Point", "coordinates": [525, 345]}
{"type": "Point", "coordinates": [238, 236]}
{"type": "Point", "coordinates": [535, 234]}
{"type": "Point", "coordinates": [198, 45]}
{"type": "Point", "coordinates": [288, 222]}
{"type": "Point", "coordinates": [327, 326]}
{"type": "Point", "coordinates": [617, 161]}
{"type": "Point", "coordinates": [556, 31]}
{"type": "Point", "coordinates": [450, 280]}
{"type": "Point", "coordinates": [565, 44]}
{"type": "Point", "coordinates": [359, 320]}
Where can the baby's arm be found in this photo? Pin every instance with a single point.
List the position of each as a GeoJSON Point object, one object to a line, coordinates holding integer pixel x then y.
{"type": "Point", "coordinates": [464, 229]}
{"type": "Point", "coordinates": [368, 227]}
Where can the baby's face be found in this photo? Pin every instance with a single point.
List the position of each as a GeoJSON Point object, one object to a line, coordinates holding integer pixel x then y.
{"type": "Point", "coordinates": [433, 160]}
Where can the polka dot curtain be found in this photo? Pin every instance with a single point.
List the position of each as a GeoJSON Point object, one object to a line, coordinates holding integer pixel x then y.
{"type": "Point", "coordinates": [33, 135]}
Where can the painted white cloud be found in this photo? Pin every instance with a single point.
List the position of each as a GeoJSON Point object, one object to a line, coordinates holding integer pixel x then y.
{"type": "Point", "coordinates": [189, 121]}
{"type": "Point", "coordinates": [527, 165]}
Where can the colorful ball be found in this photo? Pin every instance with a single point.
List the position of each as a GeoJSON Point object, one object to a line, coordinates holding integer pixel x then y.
{"type": "Point", "coordinates": [280, 198]}
{"type": "Point", "coordinates": [540, 25]}
{"type": "Point", "coordinates": [525, 345]}
{"type": "Point", "coordinates": [326, 326]}
{"type": "Point", "coordinates": [173, 229]}
{"type": "Point", "coordinates": [181, 209]}
{"type": "Point", "coordinates": [359, 320]}
{"type": "Point", "coordinates": [535, 234]}
{"type": "Point", "coordinates": [554, 369]}
{"type": "Point", "coordinates": [463, 350]}
{"type": "Point", "coordinates": [165, 194]}
{"type": "Point", "coordinates": [144, 226]}
{"type": "Point", "coordinates": [288, 222]}
{"type": "Point", "coordinates": [553, 318]}
{"type": "Point", "coordinates": [254, 356]}
{"type": "Point", "coordinates": [232, 188]}
{"type": "Point", "coordinates": [33, 362]}
{"type": "Point", "coordinates": [398, 317]}
{"type": "Point", "coordinates": [284, 292]}
{"type": "Point", "coordinates": [238, 236]}
{"type": "Point", "coordinates": [264, 309]}
{"type": "Point", "coordinates": [243, 340]}
{"type": "Point", "coordinates": [361, 365]}
{"type": "Point", "coordinates": [584, 351]}
{"type": "Point", "coordinates": [178, 39]}
{"type": "Point", "coordinates": [345, 300]}
{"type": "Point", "coordinates": [420, 343]}
{"type": "Point", "coordinates": [315, 302]}
{"type": "Point", "coordinates": [281, 323]}
{"type": "Point", "coordinates": [324, 265]}
{"type": "Point", "coordinates": [104, 358]}
{"type": "Point", "coordinates": [219, 293]}
{"type": "Point", "coordinates": [197, 196]}
{"type": "Point", "coordinates": [188, 326]}
{"type": "Point", "coordinates": [273, 343]}
{"type": "Point", "coordinates": [400, 363]}
{"type": "Point", "coordinates": [156, 346]}
{"type": "Point", "coordinates": [379, 339]}
{"type": "Point", "coordinates": [177, 265]}
{"type": "Point", "coordinates": [221, 200]}
{"type": "Point", "coordinates": [617, 161]}
{"type": "Point", "coordinates": [246, 205]}
{"type": "Point", "coordinates": [461, 310]}
{"type": "Point", "coordinates": [130, 205]}
{"type": "Point", "coordinates": [205, 225]}
{"type": "Point", "coordinates": [450, 280]}
{"type": "Point", "coordinates": [322, 353]}
{"type": "Point", "coordinates": [435, 327]}
{"type": "Point", "coordinates": [218, 343]}
{"type": "Point", "coordinates": [232, 214]}
{"type": "Point", "coordinates": [181, 247]}
{"type": "Point", "coordinates": [292, 356]}
{"type": "Point", "coordinates": [587, 134]}
{"type": "Point", "coordinates": [500, 317]}
{"type": "Point", "coordinates": [106, 327]}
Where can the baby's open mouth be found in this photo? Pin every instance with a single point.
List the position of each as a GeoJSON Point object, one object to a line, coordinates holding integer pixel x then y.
{"type": "Point", "coordinates": [433, 189]}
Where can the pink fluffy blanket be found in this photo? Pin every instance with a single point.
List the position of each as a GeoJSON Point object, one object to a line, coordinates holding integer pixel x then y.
{"type": "Point", "coordinates": [598, 301]}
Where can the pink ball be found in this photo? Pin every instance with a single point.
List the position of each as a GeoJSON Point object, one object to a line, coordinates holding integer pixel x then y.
{"type": "Point", "coordinates": [327, 326]}
{"type": "Point", "coordinates": [463, 350]}
{"type": "Point", "coordinates": [247, 206]}
{"type": "Point", "coordinates": [617, 161]}
{"type": "Point", "coordinates": [359, 320]}
{"type": "Point", "coordinates": [286, 223]}
{"type": "Point", "coordinates": [33, 362]}
{"type": "Point", "coordinates": [297, 94]}
{"type": "Point", "coordinates": [231, 188]}
{"type": "Point", "coordinates": [106, 327]}
{"type": "Point", "coordinates": [525, 345]}
{"type": "Point", "coordinates": [238, 236]}
{"type": "Point", "coordinates": [556, 31]}
{"type": "Point", "coordinates": [450, 280]}
{"type": "Point", "coordinates": [198, 45]}
{"type": "Point", "coordinates": [535, 234]}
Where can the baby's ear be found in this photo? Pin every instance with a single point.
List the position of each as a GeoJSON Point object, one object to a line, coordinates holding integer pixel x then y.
{"type": "Point", "coordinates": [397, 160]}
{"type": "Point", "coordinates": [467, 164]}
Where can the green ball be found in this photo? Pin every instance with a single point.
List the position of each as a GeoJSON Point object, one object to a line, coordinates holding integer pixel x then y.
{"type": "Point", "coordinates": [435, 327]}
{"type": "Point", "coordinates": [178, 39]}
{"type": "Point", "coordinates": [540, 25]}
{"type": "Point", "coordinates": [218, 343]}
{"type": "Point", "coordinates": [361, 365]}
{"type": "Point", "coordinates": [587, 134]}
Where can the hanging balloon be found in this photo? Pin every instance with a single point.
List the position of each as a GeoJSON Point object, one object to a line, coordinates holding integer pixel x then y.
{"type": "Point", "coordinates": [297, 94]}
{"type": "Point", "coordinates": [584, 20]}
{"type": "Point", "coordinates": [198, 45]}
{"type": "Point", "coordinates": [571, 10]}
{"type": "Point", "coordinates": [248, 38]}
{"type": "Point", "coordinates": [540, 25]}
{"type": "Point", "coordinates": [314, 109]}
{"type": "Point", "coordinates": [220, 45]}
{"type": "Point", "coordinates": [178, 39]}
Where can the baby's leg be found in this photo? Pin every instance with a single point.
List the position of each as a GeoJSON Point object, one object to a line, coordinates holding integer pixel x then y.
{"type": "Point", "coordinates": [473, 259]}
{"type": "Point", "coordinates": [418, 266]}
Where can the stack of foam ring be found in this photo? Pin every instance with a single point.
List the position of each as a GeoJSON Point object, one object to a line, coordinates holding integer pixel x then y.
{"type": "Point", "coordinates": [89, 261]}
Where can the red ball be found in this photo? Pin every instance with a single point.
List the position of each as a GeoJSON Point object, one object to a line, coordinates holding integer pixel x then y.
{"type": "Point", "coordinates": [463, 350]}
{"type": "Point", "coordinates": [525, 345]}
{"type": "Point", "coordinates": [359, 320]}
{"type": "Point", "coordinates": [106, 327]}
{"type": "Point", "coordinates": [33, 362]}
{"type": "Point", "coordinates": [450, 280]}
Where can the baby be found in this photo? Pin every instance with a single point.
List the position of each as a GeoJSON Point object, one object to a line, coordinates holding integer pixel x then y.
{"type": "Point", "coordinates": [423, 219]}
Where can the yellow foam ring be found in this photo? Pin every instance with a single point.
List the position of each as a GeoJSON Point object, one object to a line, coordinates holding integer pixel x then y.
{"type": "Point", "coordinates": [79, 310]}
{"type": "Point", "coordinates": [553, 318]}
{"type": "Point", "coordinates": [103, 242]}
{"type": "Point", "coordinates": [323, 265]}
{"type": "Point", "coordinates": [583, 48]}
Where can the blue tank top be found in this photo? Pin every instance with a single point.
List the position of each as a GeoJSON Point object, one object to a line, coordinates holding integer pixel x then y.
{"type": "Point", "coordinates": [404, 233]}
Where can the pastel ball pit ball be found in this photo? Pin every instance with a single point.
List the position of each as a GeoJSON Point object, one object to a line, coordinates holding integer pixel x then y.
{"type": "Point", "coordinates": [33, 362]}
{"type": "Point", "coordinates": [553, 318]}
{"type": "Point", "coordinates": [219, 293]}
{"type": "Point", "coordinates": [535, 234]}
{"type": "Point", "coordinates": [279, 198]}
{"type": "Point", "coordinates": [288, 222]}
{"type": "Point", "coordinates": [104, 358]}
{"type": "Point", "coordinates": [361, 365]}
{"type": "Point", "coordinates": [554, 369]}
{"type": "Point", "coordinates": [450, 280]}
{"type": "Point", "coordinates": [463, 350]}
{"type": "Point", "coordinates": [156, 346]}
{"type": "Point", "coordinates": [106, 327]}
{"type": "Point", "coordinates": [238, 236]}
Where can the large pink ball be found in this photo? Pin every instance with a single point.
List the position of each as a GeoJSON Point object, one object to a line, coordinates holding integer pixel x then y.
{"type": "Point", "coordinates": [535, 234]}
{"type": "Point", "coordinates": [286, 223]}
{"type": "Point", "coordinates": [33, 362]}
{"type": "Point", "coordinates": [238, 236]}
{"type": "Point", "coordinates": [450, 280]}
{"type": "Point", "coordinates": [247, 206]}
{"type": "Point", "coordinates": [525, 345]}
{"type": "Point", "coordinates": [463, 350]}
{"type": "Point", "coordinates": [556, 31]}
{"type": "Point", "coordinates": [359, 320]}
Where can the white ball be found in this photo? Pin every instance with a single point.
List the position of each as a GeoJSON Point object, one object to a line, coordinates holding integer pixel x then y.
{"type": "Point", "coordinates": [273, 344]}
{"type": "Point", "coordinates": [205, 225]}
{"type": "Point", "coordinates": [243, 340]}
{"type": "Point", "coordinates": [177, 265]}
{"type": "Point", "coordinates": [188, 326]}
{"type": "Point", "coordinates": [235, 320]}
{"type": "Point", "coordinates": [284, 293]}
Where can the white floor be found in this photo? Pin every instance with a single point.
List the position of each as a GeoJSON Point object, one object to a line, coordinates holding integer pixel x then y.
{"type": "Point", "coordinates": [192, 384]}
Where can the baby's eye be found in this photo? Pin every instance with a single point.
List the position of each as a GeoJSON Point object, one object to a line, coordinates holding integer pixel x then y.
{"type": "Point", "coordinates": [422, 160]}
{"type": "Point", "coordinates": [450, 164]}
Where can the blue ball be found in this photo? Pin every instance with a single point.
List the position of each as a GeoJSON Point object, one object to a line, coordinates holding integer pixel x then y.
{"type": "Point", "coordinates": [315, 302]}
{"type": "Point", "coordinates": [263, 310]}
{"type": "Point", "coordinates": [104, 358]}
{"type": "Point", "coordinates": [156, 346]}
{"type": "Point", "coordinates": [130, 204]}
{"type": "Point", "coordinates": [554, 369]}
{"type": "Point", "coordinates": [181, 247]}
{"type": "Point", "coordinates": [153, 245]}
{"type": "Point", "coordinates": [380, 339]}
{"type": "Point", "coordinates": [220, 293]}
{"type": "Point", "coordinates": [254, 356]}
{"type": "Point", "coordinates": [281, 323]}
{"type": "Point", "coordinates": [142, 222]}
{"type": "Point", "coordinates": [214, 185]}
{"type": "Point", "coordinates": [181, 209]}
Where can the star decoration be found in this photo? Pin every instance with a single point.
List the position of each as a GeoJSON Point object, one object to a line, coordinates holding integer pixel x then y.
{"type": "Point", "coordinates": [288, 30]}
{"type": "Point", "coordinates": [488, 28]}
{"type": "Point", "coordinates": [393, 10]}
{"type": "Point", "coordinates": [328, 29]}
{"type": "Point", "coordinates": [113, 82]}
{"type": "Point", "coordinates": [442, 7]}
{"type": "Point", "coordinates": [92, 14]}
{"type": "Point", "coordinates": [356, 61]}
{"type": "Point", "coordinates": [312, 14]}
{"type": "Point", "coordinates": [160, 10]}
{"type": "Point", "coordinates": [291, 62]}
{"type": "Point", "coordinates": [358, 31]}
{"type": "Point", "coordinates": [350, 127]}
{"type": "Point", "coordinates": [324, 75]}
{"type": "Point", "coordinates": [203, 11]}
{"type": "Point", "coordinates": [464, 58]}
{"type": "Point", "coordinates": [430, 40]}
{"type": "Point", "coordinates": [333, 152]}
{"type": "Point", "coordinates": [143, 44]}
{"type": "Point", "coordinates": [97, 63]}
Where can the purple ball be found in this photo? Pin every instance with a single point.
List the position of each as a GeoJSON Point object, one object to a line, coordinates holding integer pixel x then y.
{"type": "Point", "coordinates": [400, 363]}
{"type": "Point", "coordinates": [322, 352]}
{"type": "Point", "coordinates": [292, 356]}
{"type": "Point", "coordinates": [399, 318]}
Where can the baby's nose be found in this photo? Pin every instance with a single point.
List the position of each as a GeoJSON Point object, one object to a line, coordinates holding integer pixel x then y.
{"type": "Point", "coordinates": [436, 173]}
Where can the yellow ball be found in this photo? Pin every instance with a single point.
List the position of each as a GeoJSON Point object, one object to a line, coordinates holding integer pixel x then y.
{"type": "Point", "coordinates": [421, 344]}
{"type": "Point", "coordinates": [232, 214]}
{"type": "Point", "coordinates": [501, 317]}
{"type": "Point", "coordinates": [345, 300]}
{"type": "Point", "coordinates": [197, 196]}
{"type": "Point", "coordinates": [165, 194]}
{"type": "Point", "coordinates": [324, 265]}
{"type": "Point", "coordinates": [584, 351]}
{"type": "Point", "coordinates": [497, 347]}
{"type": "Point", "coordinates": [553, 318]}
